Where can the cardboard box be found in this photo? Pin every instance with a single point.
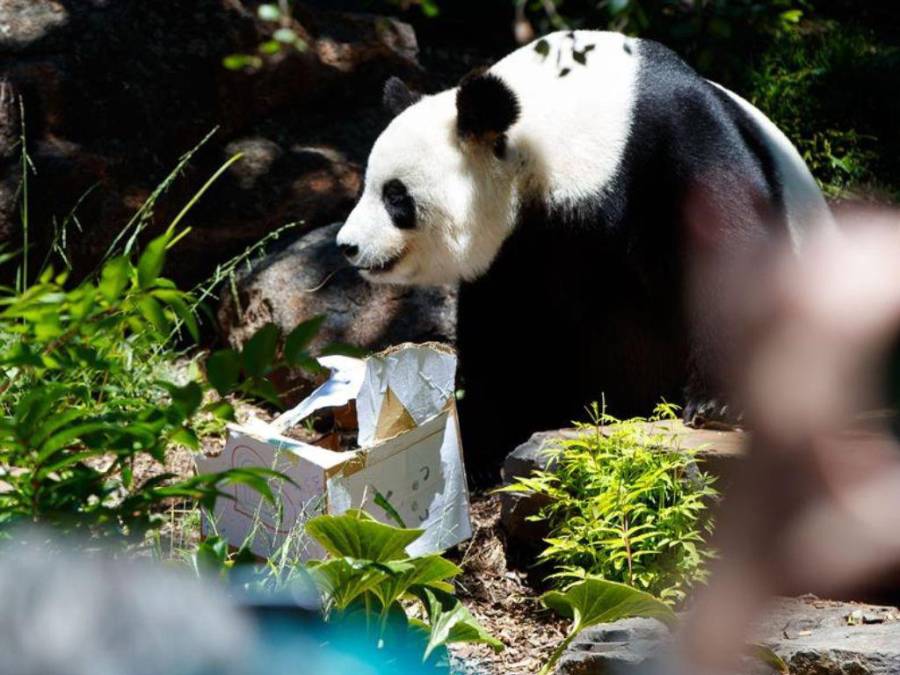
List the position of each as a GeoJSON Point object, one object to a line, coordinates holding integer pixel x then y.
{"type": "Point", "coordinates": [409, 452]}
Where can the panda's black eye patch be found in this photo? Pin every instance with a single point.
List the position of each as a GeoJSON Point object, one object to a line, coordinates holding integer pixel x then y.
{"type": "Point", "coordinates": [400, 205]}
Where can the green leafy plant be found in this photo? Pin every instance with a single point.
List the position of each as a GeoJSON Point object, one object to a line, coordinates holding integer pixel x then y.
{"type": "Point", "coordinates": [798, 81]}
{"type": "Point", "coordinates": [367, 579]}
{"type": "Point", "coordinates": [625, 506]}
{"type": "Point", "coordinates": [72, 428]}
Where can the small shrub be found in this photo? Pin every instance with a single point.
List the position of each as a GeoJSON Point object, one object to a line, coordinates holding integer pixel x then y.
{"type": "Point", "coordinates": [623, 508]}
{"type": "Point", "coordinates": [368, 587]}
{"type": "Point", "coordinates": [369, 580]}
{"type": "Point", "coordinates": [77, 411]}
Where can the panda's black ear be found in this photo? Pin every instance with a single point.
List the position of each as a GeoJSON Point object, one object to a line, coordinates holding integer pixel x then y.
{"type": "Point", "coordinates": [397, 97]}
{"type": "Point", "coordinates": [485, 107]}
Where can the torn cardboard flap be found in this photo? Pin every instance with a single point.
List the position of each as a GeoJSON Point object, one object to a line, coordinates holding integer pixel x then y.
{"type": "Point", "coordinates": [417, 380]}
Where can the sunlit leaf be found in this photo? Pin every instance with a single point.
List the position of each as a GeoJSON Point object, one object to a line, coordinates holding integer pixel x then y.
{"type": "Point", "coordinates": [114, 278]}
{"type": "Point", "coordinates": [151, 262]}
{"type": "Point", "coordinates": [356, 534]}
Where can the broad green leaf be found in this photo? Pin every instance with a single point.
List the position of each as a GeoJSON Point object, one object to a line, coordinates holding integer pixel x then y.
{"type": "Point", "coordinates": [186, 437]}
{"type": "Point", "coordinates": [299, 339]}
{"type": "Point", "coordinates": [152, 260]}
{"type": "Point", "coordinates": [258, 354]}
{"type": "Point", "coordinates": [262, 388]}
{"type": "Point", "coordinates": [185, 399]}
{"type": "Point", "coordinates": [269, 47]}
{"type": "Point", "coordinates": [342, 582]}
{"type": "Point", "coordinates": [114, 278]}
{"type": "Point", "coordinates": [222, 410]}
{"type": "Point", "coordinates": [594, 601]}
{"type": "Point", "coordinates": [152, 311]}
{"type": "Point", "coordinates": [423, 571]}
{"type": "Point", "coordinates": [223, 369]}
{"type": "Point", "coordinates": [356, 534]}
{"type": "Point", "coordinates": [452, 622]}
{"type": "Point", "coordinates": [430, 8]}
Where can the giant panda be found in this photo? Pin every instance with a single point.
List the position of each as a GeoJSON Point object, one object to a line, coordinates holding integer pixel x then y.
{"type": "Point", "coordinates": [570, 190]}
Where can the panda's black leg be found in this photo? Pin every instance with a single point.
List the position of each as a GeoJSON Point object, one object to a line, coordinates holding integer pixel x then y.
{"type": "Point", "coordinates": [710, 412]}
{"type": "Point", "coordinates": [708, 399]}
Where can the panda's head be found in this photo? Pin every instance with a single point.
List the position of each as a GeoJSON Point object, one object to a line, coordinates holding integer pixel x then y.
{"type": "Point", "coordinates": [439, 196]}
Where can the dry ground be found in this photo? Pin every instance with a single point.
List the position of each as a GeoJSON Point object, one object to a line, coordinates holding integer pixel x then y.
{"type": "Point", "coordinates": [501, 599]}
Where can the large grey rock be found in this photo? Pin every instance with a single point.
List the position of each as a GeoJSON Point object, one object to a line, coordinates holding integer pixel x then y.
{"type": "Point", "coordinates": [719, 450]}
{"type": "Point", "coordinates": [310, 277]}
{"type": "Point", "coordinates": [814, 637]}
{"type": "Point", "coordinates": [23, 22]}
{"type": "Point", "coordinates": [821, 637]}
{"type": "Point", "coordinates": [613, 648]}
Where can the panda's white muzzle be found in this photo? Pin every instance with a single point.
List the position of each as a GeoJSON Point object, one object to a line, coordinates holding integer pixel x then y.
{"type": "Point", "coordinates": [370, 262]}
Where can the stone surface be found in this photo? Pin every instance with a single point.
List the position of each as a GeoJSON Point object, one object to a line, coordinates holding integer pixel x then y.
{"type": "Point", "coordinates": [311, 277]}
{"type": "Point", "coordinates": [23, 22]}
{"type": "Point", "coordinates": [814, 637]}
{"type": "Point", "coordinates": [115, 92]}
{"type": "Point", "coordinates": [719, 450]}
{"type": "Point", "coordinates": [620, 647]}
{"type": "Point", "coordinates": [820, 637]}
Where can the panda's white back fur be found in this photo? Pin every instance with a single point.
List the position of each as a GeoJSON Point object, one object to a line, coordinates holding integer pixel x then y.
{"type": "Point", "coordinates": [560, 98]}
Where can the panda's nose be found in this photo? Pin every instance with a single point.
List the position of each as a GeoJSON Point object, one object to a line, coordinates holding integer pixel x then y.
{"type": "Point", "coordinates": [349, 250]}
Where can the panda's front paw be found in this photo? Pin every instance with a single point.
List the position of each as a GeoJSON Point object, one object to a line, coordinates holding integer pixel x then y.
{"type": "Point", "coordinates": [711, 413]}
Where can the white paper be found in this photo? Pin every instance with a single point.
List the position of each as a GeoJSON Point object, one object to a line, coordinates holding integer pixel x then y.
{"type": "Point", "coordinates": [342, 387]}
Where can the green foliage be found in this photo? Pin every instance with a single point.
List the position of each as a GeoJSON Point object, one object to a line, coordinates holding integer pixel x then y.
{"type": "Point", "coordinates": [277, 17]}
{"type": "Point", "coordinates": [429, 8]}
{"type": "Point", "coordinates": [369, 581]}
{"type": "Point", "coordinates": [593, 601]}
{"type": "Point", "coordinates": [820, 85]}
{"type": "Point", "coordinates": [623, 508]}
{"type": "Point", "coordinates": [247, 371]}
{"type": "Point", "coordinates": [77, 411]}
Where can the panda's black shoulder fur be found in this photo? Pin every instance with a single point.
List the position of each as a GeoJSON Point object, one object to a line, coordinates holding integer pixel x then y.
{"type": "Point", "coordinates": [586, 300]}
